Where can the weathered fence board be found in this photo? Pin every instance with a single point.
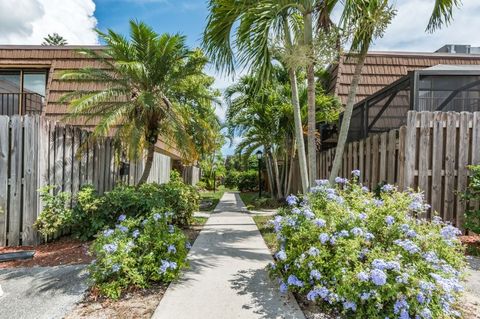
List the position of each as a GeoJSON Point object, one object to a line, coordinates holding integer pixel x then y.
{"type": "Point", "coordinates": [430, 153]}
{"type": "Point", "coordinates": [35, 152]}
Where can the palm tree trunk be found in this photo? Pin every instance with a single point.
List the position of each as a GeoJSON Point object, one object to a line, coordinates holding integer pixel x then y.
{"type": "Point", "coordinates": [347, 115]}
{"type": "Point", "coordinates": [298, 119]}
{"type": "Point", "coordinates": [277, 175]}
{"type": "Point", "coordinates": [285, 172]}
{"type": "Point", "coordinates": [312, 148]}
{"type": "Point", "coordinates": [148, 164]}
{"type": "Point", "coordinates": [270, 175]}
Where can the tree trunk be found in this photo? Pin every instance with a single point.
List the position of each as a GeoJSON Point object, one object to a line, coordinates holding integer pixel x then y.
{"type": "Point", "coordinates": [148, 164]}
{"type": "Point", "coordinates": [312, 148]}
{"type": "Point", "coordinates": [277, 175]}
{"type": "Point", "coordinates": [270, 175]}
{"type": "Point", "coordinates": [347, 115]}
{"type": "Point", "coordinates": [298, 119]}
{"type": "Point", "coordinates": [285, 172]}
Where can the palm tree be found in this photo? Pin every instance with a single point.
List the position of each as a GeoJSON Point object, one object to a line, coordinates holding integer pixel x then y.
{"type": "Point", "coordinates": [147, 91]}
{"type": "Point", "coordinates": [54, 39]}
{"type": "Point", "coordinates": [369, 19]}
{"type": "Point", "coordinates": [259, 23]}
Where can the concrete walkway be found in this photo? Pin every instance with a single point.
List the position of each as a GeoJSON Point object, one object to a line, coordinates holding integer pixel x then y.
{"type": "Point", "coordinates": [227, 276]}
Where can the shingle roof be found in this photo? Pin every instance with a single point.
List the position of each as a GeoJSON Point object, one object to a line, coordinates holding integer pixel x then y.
{"type": "Point", "coordinates": [57, 59]}
{"type": "Point", "coordinates": [384, 68]}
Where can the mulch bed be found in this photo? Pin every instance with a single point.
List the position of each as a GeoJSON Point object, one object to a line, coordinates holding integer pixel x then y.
{"type": "Point", "coordinates": [472, 243]}
{"type": "Point", "coordinates": [65, 251]}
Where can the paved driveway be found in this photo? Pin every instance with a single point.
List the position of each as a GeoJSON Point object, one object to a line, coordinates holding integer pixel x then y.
{"type": "Point", "coordinates": [41, 292]}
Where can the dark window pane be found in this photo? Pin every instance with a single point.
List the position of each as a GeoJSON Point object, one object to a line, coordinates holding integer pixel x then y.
{"type": "Point", "coordinates": [9, 81]}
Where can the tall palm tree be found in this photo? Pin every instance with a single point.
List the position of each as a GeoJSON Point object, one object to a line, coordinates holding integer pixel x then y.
{"type": "Point", "coordinates": [254, 25]}
{"type": "Point", "coordinates": [146, 92]}
{"type": "Point", "coordinates": [369, 19]}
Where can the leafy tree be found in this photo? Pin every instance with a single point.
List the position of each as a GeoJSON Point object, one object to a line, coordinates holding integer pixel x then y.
{"type": "Point", "coordinates": [54, 39]}
{"type": "Point", "coordinates": [153, 86]}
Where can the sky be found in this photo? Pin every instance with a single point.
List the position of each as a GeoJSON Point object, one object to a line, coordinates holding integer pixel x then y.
{"type": "Point", "coordinates": [29, 21]}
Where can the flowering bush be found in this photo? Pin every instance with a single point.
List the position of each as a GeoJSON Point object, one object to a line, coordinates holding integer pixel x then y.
{"type": "Point", "coordinates": [137, 252]}
{"type": "Point", "coordinates": [366, 256]}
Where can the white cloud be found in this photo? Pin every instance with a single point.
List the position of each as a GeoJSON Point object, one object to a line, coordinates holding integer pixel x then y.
{"type": "Point", "coordinates": [407, 31]}
{"type": "Point", "coordinates": [29, 21]}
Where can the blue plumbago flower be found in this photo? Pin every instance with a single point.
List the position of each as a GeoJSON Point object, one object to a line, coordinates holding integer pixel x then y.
{"type": "Point", "coordinates": [323, 237]}
{"type": "Point", "coordinates": [387, 188]}
{"type": "Point", "coordinates": [281, 255]}
{"type": "Point", "coordinates": [356, 173]}
{"type": "Point", "coordinates": [110, 248]}
{"type": "Point", "coordinates": [365, 295]}
{"type": "Point", "coordinates": [447, 284]}
{"type": "Point", "coordinates": [291, 222]}
{"type": "Point", "coordinates": [129, 246]}
{"type": "Point", "coordinates": [172, 249]}
{"type": "Point", "coordinates": [402, 279]}
{"type": "Point", "coordinates": [343, 233]}
{"type": "Point", "coordinates": [425, 313]}
{"type": "Point", "coordinates": [411, 233]}
{"type": "Point", "coordinates": [121, 218]}
{"type": "Point", "coordinates": [362, 216]}
{"type": "Point", "coordinates": [283, 287]}
{"type": "Point", "coordinates": [296, 211]}
{"type": "Point", "coordinates": [321, 292]}
{"type": "Point", "coordinates": [450, 232]}
{"type": "Point", "coordinates": [307, 212]}
{"type": "Point", "coordinates": [315, 274]}
{"type": "Point", "coordinates": [400, 304]}
{"type": "Point", "coordinates": [312, 295]}
{"type": "Point", "coordinates": [144, 222]}
{"type": "Point", "coordinates": [421, 298]}
{"type": "Point", "coordinates": [363, 253]}
{"type": "Point", "coordinates": [135, 233]}
{"type": "Point", "coordinates": [108, 232]}
{"type": "Point", "coordinates": [171, 229]}
{"type": "Point", "coordinates": [350, 305]}
{"type": "Point", "coordinates": [437, 220]}
{"type": "Point", "coordinates": [431, 257]}
{"type": "Point", "coordinates": [157, 217]}
{"type": "Point", "coordinates": [188, 245]}
{"type": "Point", "coordinates": [122, 228]}
{"type": "Point", "coordinates": [164, 267]}
{"type": "Point", "coordinates": [173, 265]}
{"type": "Point", "coordinates": [322, 182]}
{"type": "Point", "coordinates": [340, 180]}
{"type": "Point", "coordinates": [389, 220]}
{"type": "Point", "coordinates": [363, 276]}
{"type": "Point", "coordinates": [313, 251]}
{"type": "Point", "coordinates": [320, 222]}
{"type": "Point", "coordinates": [277, 223]}
{"type": "Point", "coordinates": [333, 240]}
{"type": "Point", "coordinates": [378, 277]}
{"type": "Point", "coordinates": [369, 236]}
{"type": "Point", "coordinates": [294, 281]}
{"type": "Point", "coordinates": [292, 200]}
{"type": "Point", "coordinates": [379, 264]}
{"type": "Point", "coordinates": [378, 202]}
{"type": "Point", "coordinates": [404, 314]}
{"type": "Point", "coordinates": [365, 189]}
{"type": "Point", "coordinates": [115, 267]}
{"type": "Point", "coordinates": [408, 245]}
{"type": "Point", "coordinates": [272, 266]}
{"type": "Point", "coordinates": [357, 231]}
{"type": "Point", "coordinates": [168, 214]}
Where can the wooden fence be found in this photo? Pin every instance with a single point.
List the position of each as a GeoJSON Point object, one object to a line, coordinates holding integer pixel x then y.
{"type": "Point", "coordinates": [430, 153]}
{"type": "Point", "coordinates": [35, 152]}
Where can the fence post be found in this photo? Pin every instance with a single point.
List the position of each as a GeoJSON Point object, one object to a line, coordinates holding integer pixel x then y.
{"type": "Point", "coordinates": [4, 138]}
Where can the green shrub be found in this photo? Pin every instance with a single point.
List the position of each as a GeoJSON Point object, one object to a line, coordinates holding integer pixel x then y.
{"type": "Point", "coordinates": [88, 214]}
{"type": "Point", "coordinates": [231, 179]}
{"type": "Point", "coordinates": [472, 216]}
{"type": "Point", "coordinates": [368, 257]}
{"type": "Point", "coordinates": [201, 186]}
{"type": "Point", "coordinates": [248, 181]}
{"type": "Point", "coordinates": [56, 214]}
{"type": "Point", "coordinates": [136, 253]}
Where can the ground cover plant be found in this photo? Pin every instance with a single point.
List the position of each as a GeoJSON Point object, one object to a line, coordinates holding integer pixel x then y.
{"type": "Point", "coordinates": [137, 252]}
{"type": "Point", "coordinates": [366, 256]}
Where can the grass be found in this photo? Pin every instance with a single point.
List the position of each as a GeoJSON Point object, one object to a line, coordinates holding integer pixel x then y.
{"type": "Point", "coordinates": [266, 229]}
{"type": "Point", "coordinates": [199, 221]}
{"type": "Point", "coordinates": [251, 201]}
